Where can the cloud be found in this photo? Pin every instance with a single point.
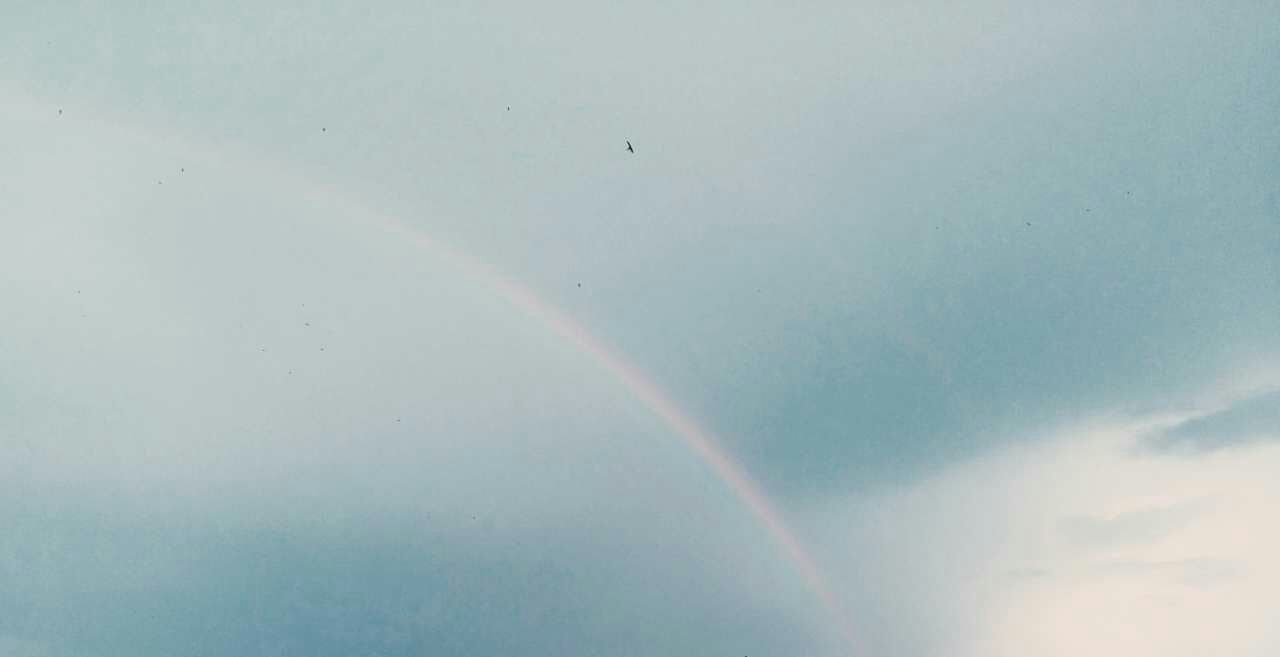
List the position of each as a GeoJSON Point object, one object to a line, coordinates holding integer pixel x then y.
{"type": "Point", "coordinates": [1068, 544]}
{"type": "Point", "coordinates": [821, 247]}
{"type": "Point", "coordinates": [1143, 525]}
{"type": "Point", "coordinates": [1200, 572]}
{"type": "Point", "coordinates": [360, 587]}
{"type": "Point", "coordinates": [1028, 573]}
{"type": "Point", "coordinates": [1248, 421]}
{"type": "Point", "coordinates": [13, 646]}
{"type": "Point", "coordinates": [184, 470]}
{"type": "Point", "coordinates": [916, 266]}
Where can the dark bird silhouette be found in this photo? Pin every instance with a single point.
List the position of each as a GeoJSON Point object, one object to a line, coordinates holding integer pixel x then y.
{"type": "Point", "coordinates": [629, 148]}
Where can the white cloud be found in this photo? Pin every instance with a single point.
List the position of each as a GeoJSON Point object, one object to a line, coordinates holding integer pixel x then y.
{"type": "Point", "coordinates": [1078, 545]}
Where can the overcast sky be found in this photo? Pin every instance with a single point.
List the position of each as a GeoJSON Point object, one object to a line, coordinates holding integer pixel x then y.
{"type": "Point", "coordinates": [984, 299]}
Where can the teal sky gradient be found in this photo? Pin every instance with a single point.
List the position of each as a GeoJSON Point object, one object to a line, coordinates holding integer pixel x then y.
{"type": "Point", "coordinates": [986, 300]}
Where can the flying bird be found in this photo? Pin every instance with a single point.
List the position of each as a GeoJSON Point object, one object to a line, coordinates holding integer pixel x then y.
{"type": "Point", "coordinates": [629, 148]}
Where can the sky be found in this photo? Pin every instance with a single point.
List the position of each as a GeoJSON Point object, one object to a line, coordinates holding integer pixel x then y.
{"type": "Point", "coordinates": [909, 329]}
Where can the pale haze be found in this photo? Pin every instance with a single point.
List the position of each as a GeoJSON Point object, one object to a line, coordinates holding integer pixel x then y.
{"type": "Point", "coordinates": [907, 329]}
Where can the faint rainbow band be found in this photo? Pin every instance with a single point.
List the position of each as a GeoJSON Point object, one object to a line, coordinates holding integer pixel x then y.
{"type": "Point", "coordinates": [699, 439]}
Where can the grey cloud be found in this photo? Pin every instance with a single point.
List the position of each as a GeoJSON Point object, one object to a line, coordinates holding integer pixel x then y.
{"type": "Point", "coordinates": [1027, 573]}
{"type": "Point", "coordinates": [821, 246]}
{"type": "Point", "coordinates": [1253, 420]}
{"type": "Point", "coordinates": [903, 315]}
{"type": "Point", "coordinates": [184, 472]}
{"type": "Point", "coordinates": [16, 646]}
{"type": "Point", "coordinates": [1133, 527]}
{"type": "Point", "coordinates": [1197, 573]}
{"type": "Point", "coordinates": [291, 591]}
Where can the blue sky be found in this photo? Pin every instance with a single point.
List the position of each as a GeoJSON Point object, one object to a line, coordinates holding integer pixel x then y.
{"type": "Point", "coordinates": [986, 301]}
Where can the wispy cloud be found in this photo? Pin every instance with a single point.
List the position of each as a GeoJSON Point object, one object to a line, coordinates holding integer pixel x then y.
{"type": "Point", "coordinates": [1138, 526]}
{"type": "Point", "coordinates": [1197, 572]}
{"type": "Point", "coordinates": [1251, 420]}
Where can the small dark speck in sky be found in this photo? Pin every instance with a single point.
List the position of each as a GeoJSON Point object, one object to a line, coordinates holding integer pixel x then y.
{"type": "Point", "coordinates": [579, 284]}
{"type": "Point", "coordinates": [182, 170]}
{"type": "Point", "coordinates": [321, 348]}
{"type": "Point", "coordinates": [324, 129]}
{"type": "Point", "coordinates": [306, 323]}
{"type": "Point", "coordinates": [59, 111]}
{"type": "Point", "coordinates": [1028, 223]}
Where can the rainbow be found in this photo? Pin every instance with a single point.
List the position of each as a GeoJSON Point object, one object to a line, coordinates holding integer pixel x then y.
{"type": "Point", "coordinates": [699, 439]}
